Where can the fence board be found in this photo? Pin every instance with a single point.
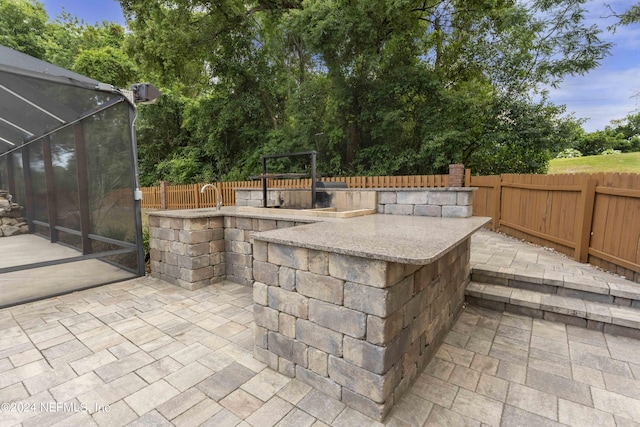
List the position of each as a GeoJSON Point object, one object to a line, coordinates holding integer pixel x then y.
{"type": "Point", "coordinates": [486, 199]}
{"type": "Point", "coordinates": [609, 227]}
{"type": "Point", "coordinates": [626, 228]}
{"type": "Point", "coordinates": [633, 247]}
{"type": "Point", "coordinates": [600, 213]}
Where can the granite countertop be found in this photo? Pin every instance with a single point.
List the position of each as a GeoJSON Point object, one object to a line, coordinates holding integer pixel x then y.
{"type": "Point", "coordinates": [236, 211]}
{"type": "Point", "coordinates": [394, 238]}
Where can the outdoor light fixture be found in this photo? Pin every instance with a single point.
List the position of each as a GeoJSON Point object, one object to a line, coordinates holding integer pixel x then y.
{"type": "Point", "coordinates": [145, 93]}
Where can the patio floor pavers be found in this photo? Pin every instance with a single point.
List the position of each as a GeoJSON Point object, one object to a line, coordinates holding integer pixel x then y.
{"type": "Point", "coordinates": [144, 352]}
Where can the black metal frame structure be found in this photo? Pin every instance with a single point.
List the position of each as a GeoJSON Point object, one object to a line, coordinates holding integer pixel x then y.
{"type": "Point", "coordinates": [265, 176]}
{"type": "Point", "coordinates": [68, 156]}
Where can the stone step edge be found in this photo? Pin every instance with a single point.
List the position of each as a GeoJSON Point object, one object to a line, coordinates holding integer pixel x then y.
{"type": "Point", "coordinates": [629, 291]}
{"type": "Point", "coordinates": [537, 304]}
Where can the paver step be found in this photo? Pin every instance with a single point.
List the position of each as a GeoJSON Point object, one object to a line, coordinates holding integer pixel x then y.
{"type": "Point", "coordinates": [613, 290]}
{"type": "Point", "coordinates": [607, 317]}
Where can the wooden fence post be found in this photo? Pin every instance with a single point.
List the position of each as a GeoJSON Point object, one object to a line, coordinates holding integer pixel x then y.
{"type": "Point", "coordinates": [467, 177]}
{"type": "Point", "coordinates": [585, 217]}
{"type": "Point", "coordinates": [196, 194]}
{"type": "Point", "coordinates": [497, 205]}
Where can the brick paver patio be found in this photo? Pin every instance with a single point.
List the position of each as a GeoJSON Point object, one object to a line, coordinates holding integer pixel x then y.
{"type": "Point", "coordinates": [144, 352]}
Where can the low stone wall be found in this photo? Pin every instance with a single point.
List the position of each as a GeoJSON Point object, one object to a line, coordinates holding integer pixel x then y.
{"type": "Point", "coordinates": [246, 197]}
{"type": "Point", "coordinates": [187, 252]}
{"type": "Point", "coordinates": [238, 246]}
{"type": "Point", "coordinates": [341, 199]}
{"type": "Point", "coordinates": [196, 252]}
{"type": "Point", "coordinates": [357, 329]}
{"type": "Point", "coordinates": [434, 202]}
{"type": "Point", "coordinates": [452, 202]}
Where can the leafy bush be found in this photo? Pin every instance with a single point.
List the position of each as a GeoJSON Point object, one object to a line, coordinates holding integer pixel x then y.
{"type": "Point", "coordinates": [145, 242]}
{"type": "Point", "coordinates": [610, 151]}
{"type": "Point", "coordinates": [569, 153]}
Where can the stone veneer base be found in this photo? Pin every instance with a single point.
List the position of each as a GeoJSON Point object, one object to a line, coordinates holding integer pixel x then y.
{"type": "Point", "coordinates": [355, 308]}
{"type": "Point", "coordinates": [357, 329]}
{"type": "Point", "coordinates": [200, 251]}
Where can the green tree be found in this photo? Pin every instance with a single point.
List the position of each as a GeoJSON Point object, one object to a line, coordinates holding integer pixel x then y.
{"type": "Point", "coordinates": [62, 43]}
{"type": "Point", "coordinates": [93, 50]}
{"type": "Point", "coordinates": [593, 143]}
{"type": "Point", "coordinates": [161, 136]}
{"type": "Point", "coordinates": [631, 16]}
{"type": "Point", "coordinates": [522, 137]}
{"type": "Point", "coordinates": [622, 135]}
{"type": "Point", "coordinates": [23, 26]}
{"type": "Point", "coordinates": [628, 17]}
{"type": "Point", "coordinates": [106, 64]}
{"type": "Point", "coordinates": [383, 86]}
{"type": "Point", "coordinates": [628, 130]}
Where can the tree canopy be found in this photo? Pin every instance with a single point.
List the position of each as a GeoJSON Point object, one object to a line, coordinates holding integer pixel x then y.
{"type": "Point", "coordinates": [93, 50]}
{"type": "Point", "coordinates": [376, 87]}
{"type": "Point", "coordinates": [623, 135]}
{"type": "Point", "coordinates": [22, 26]}
{"type": "Point", "coordinates": [629, 16]}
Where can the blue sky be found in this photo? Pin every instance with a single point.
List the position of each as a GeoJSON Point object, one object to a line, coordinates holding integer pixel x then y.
{"type": "Point", "coordinates": [604, 94]}
{"type": "Point", "coordinates": [607, 92]}
{"type": "Point", "coordinates": [91, 11]}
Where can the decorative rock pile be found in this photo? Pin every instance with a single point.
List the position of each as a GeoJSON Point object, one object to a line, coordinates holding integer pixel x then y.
{"type": "Point", "coordinates": [11, 221]}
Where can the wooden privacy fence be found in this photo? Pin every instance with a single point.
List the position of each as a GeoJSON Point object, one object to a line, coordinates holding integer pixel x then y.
{"type": "Point", "coordinates": [189, 197]}
{"type": "Point", "coordinates": [594, 218]}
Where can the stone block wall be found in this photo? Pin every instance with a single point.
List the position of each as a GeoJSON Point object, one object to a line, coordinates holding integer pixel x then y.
{"type": "Point", "coordinates": [357, 329]}
{"type": "Point", "coordinates": [193, 253]}
{"type": "Point", "coordinates": [435, 202]}
{"type": "Point", "coordinates": [187, 252]}
{"type": "Point", "coordinates": [293, 198]}
{"type": "Point", "coordinates": [341, 199]}
{"type": "Point", "coordinates": [239, 248]}
{"type": "Point", "coordinates": [245, 197]}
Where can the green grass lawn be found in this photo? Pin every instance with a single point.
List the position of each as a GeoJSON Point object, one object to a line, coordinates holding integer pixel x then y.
{"type": "Point", "coordinates": [625, 162]}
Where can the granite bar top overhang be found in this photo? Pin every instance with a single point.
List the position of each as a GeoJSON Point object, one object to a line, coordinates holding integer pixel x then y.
{"type": "Point", "coordinates": [269, 213]}
{"type": "Point", "coordinates": [402, 239]}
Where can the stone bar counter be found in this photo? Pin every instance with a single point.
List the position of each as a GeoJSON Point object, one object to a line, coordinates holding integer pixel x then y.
{"type": "Point", "coordinates": [356, 308]}
{"type": "Point", "coordinates": [198, 247]}
{"type": "Point", "coordinates": [194, 248]}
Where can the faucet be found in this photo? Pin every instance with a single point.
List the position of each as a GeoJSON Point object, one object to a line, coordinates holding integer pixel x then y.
{"type": "Point", "coordinates": [218, 197]}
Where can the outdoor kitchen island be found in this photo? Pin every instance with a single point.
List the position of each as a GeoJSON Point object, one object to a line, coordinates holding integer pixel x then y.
{"type": "Point", "coordinates": [356, 308]}
{"type": "Point", "coordinates": [353, 306]}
